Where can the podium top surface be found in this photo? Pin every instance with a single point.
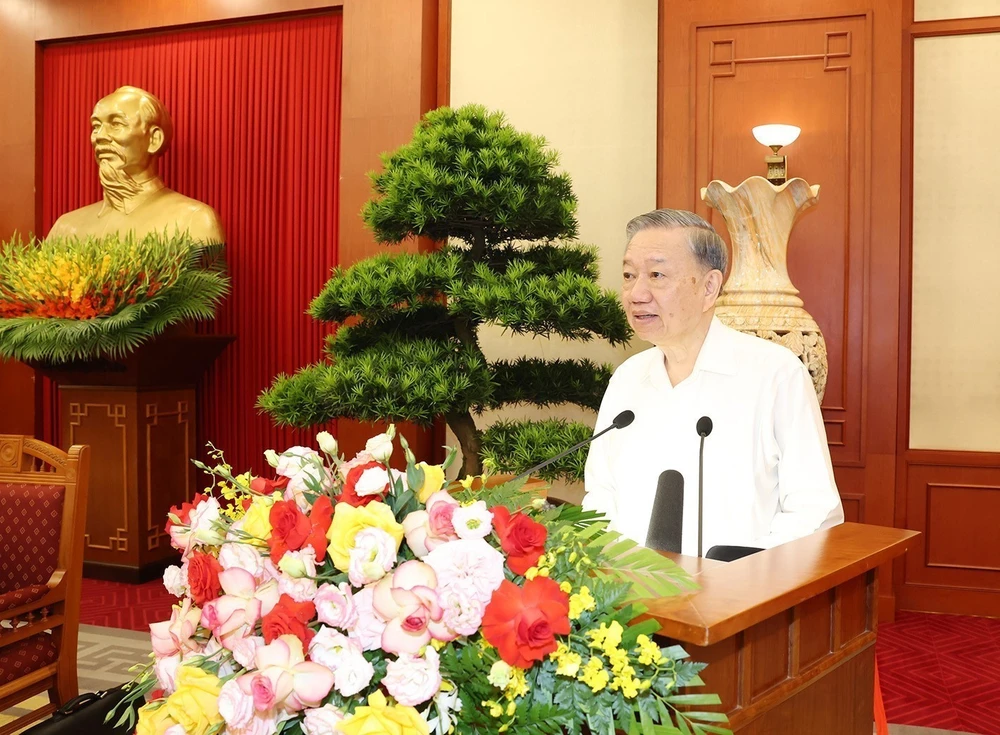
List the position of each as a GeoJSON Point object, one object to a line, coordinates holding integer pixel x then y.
{"type": "Point", "coordinates": [736, 595]}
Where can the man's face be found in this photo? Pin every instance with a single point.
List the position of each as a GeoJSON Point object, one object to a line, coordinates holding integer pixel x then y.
{"type": "Point", "coordinates": [119, 137]}
{"type": "Point", "coordinates": [665, 291]}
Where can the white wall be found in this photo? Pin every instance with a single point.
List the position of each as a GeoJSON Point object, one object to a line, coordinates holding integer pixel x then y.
{"type": "Point", "coordinates": [581, 73]}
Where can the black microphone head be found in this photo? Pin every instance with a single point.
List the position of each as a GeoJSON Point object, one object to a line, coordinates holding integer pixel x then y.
{"type": "Point", "coordinates": [704, 426]}
{"type": "Point", "coordinates": [624, 419]}
{"type": "Point", "coordinates": [666, 522]}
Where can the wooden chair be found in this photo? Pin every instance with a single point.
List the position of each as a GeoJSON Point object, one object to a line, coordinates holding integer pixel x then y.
{"type": "Point", "coordinates": [43, 511]}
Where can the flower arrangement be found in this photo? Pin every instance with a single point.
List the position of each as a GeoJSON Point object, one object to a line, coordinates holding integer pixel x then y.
{"type": "Point", "coordinates": [348, 597]}
{"type": "Point", "coordinates": [70, 299]}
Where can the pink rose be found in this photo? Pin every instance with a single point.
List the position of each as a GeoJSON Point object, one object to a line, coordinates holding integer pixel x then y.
{"type": "Point", "coordinates": [370, 625]}
{"type": "Point", "coordinates": [175, 635]}
{"type": "Point", "coordinates": [335, 606]}
{"type": "Point", "coordinates": [285, 678]}
{"type": "Point", "coordinates": [235, 706]}
{"type": "Point", "coordinates": [232, 616]}
{"type": "Point", "coordinates": [407, 600]}
{"type": "Point", "coordinates": [425, 530]}
{"type": "Point", "coordinates": [412, 680]}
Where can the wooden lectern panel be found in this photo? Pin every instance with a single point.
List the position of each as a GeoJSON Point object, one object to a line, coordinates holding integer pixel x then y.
{"type": "Point", "coordinates": [788, 634]}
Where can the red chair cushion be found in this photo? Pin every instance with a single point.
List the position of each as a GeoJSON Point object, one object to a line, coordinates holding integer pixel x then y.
{"type": "Point", "coordinates": [21, 658]}
{"type": "Point", "coordinates": [21, 596]}
{"type": "Point", "coordinates": [30, 524]}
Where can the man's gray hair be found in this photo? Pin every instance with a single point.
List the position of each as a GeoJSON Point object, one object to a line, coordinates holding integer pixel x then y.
{"type": "Point", "coordinates": [709, 249]}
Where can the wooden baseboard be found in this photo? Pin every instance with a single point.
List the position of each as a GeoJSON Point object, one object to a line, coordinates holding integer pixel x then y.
{"type": "Point", "coordinates": [128, 575]}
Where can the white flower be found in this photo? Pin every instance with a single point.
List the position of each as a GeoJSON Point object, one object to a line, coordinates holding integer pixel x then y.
{"type": "Point", "coordinates": [329, 647]}
{"type": "Point", "coordinates": [412, 680]}
{"type": "Point", "coordinates": [300, 590]}
{"type": "Point", "coordinates": [322, 720]}
{"type": "Point", "coordinates": [175, 580]}
{"type": "Point", "coordinates": [372, 481]}
{"type": "Point", "coordinates": [175, 730]}
{"type": "Point", "coordinates": [472, 566]}
{"type": "Point", "coordinates": [235, 706]}
{"type": "Point", "coordinates": [373, 555]}
{"type": "Point", "coordinates": [368, 631]}
{"type": "Point", "coordinates": [165, 669]}
{"type": "Point", "coordinates": [204, 520]}
{"type": "Point", "coordinates": [327, 443]}
{"type": "Point", "coordinates": [245, 650]}
{"type": "Point", "coordinates": [295, 459]}
{"type": "Point", "coordinates": [354, 673]}
{"type": "Point", "coordinates": [380, 447]}
{"type": "Point", "coordinates": [241, 555]}
{"type": "Point", "coordinates": [500, 674]}
{"type": "Point", "coordinates": [472, 521]}
{"type": "Point", "coordinates": [301, 563]}
{"type": "Point", "coordinates": [212, 648]}
{"type": "Point", "coordinates": [272, 457]}
{"type": "Point", "coordinates": [445, 703]}
{"type": "Point", "coordinates": [335, 606]}
{"type": "Point", "coordinates": [463, 613]}
{"type": "Point", "coordinates": [262, 723]}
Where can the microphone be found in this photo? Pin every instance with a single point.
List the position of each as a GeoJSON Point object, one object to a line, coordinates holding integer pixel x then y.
{"type": "Point", "coordinates": [620, 422]}
{"type": "Point", "coordinates": [666, 524]}
{"type": "Point", "coordinates": [704, 428]}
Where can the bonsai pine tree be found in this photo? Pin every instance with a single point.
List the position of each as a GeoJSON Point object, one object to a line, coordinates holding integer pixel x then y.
{"type": "Point", "coordinates": [491, 195]}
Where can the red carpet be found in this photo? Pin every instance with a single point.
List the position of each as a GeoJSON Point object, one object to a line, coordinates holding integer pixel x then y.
{"type": "Point", "coordinates": [941, 671]}
{"type": "Point", "coordinates": [130, 606]}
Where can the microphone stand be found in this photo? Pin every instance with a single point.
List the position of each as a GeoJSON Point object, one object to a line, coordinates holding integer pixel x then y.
{"type": "Point", "coordinates": [701, 491]}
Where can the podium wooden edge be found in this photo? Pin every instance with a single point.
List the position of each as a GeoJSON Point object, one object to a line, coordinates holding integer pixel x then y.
{"type": "Point", "coordinates": [735, 596]}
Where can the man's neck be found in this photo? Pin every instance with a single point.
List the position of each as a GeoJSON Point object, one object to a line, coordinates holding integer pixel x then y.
{"type": "Point", "coordinates": [128, 204]}
{"type": "Point", "coordinates": [680, 357]}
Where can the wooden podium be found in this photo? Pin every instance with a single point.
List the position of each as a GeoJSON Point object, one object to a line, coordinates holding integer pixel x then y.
{"type": "Point", "coordinates": [138, 415]}
{"type": "Point", "coordinates": [788, 633]}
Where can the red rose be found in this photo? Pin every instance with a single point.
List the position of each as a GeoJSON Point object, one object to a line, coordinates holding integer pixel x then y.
{"type": "Point", "coordinates": [183, 511]}
{"type": "Point", "coordinates": [203, 577]}
{"type": "Point", "coordinates": [289, 617]}
{"type": "Point", "coordinates": [320, 518]}
{"type": "Point", "coordinates": [522, 538]}
{"type": "Point", "coordinates": [289, 529]}
{"type": "Point", "coordinates": [349, 494]}
{"type": "Point", "coordinates": [523, 622]}
{"type": "Point", "coordinates": [262, 486]}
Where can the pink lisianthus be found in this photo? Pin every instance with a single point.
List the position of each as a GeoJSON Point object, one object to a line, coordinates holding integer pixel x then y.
{"type": "Point", "coordinates": [202, 527]}
{"type": "Point", "coordinates": [361, 458]}
{"type": "Point", "coordinates": [175, 635]}
{"type": "Point", "coordinates": [165, 669]}
{"type": "Point", "coordinates": [322, 721]}
{"type": "Point", "coordinates": [425, 530]}
{"type": "Point", "coordinates": [240, 555]}
{"type": "Point", "coordinates": [472, 566]}
{"type": "Point", "coordinates": [305, 472]}
{"type": "Point", "coordinates": [370, 625]}
{"type": "Point", "coordinates": [373, 555]}
{"type": "Point", "coordinates": [236, 706]}
{"type": "Point", "coordinates": [407, 600]}
{"type": "Point", "coordinates": [412, 680]}
{"type": "Point", "coordinates": [245, 650]}
{"type": "Point", "coordinates": [175, 580]}
{"type": "Point", "coordinates": [232, 616]}
{"type": "Point", "coordinates": [463, 613]}
{"type": "Point", "coordinates": [335, 606]}
{"type": "Point", "coordinates": [284, 678]}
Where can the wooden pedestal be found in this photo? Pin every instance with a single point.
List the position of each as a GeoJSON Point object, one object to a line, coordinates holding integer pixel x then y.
{"type": "Point", "coordinates": [138, 415]}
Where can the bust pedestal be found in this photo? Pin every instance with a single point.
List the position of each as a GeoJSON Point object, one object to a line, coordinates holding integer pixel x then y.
{"type": "Point", "coordinates": [758, 297]}
{"type": "Point", "coordinates": [138, 415]}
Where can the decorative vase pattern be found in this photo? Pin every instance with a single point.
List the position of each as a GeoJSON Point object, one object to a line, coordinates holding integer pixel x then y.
{"type": "Point", "coordinates": [758, 297]}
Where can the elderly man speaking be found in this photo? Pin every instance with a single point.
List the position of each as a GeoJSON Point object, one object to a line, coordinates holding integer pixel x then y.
{"type": "Point", "coordinates": [767, 472]}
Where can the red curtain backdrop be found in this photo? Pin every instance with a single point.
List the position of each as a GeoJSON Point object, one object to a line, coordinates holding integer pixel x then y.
{"type": "Point", "coordinates": [256, 113]}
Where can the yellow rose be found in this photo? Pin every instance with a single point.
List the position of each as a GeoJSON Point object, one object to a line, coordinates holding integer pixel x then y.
{"type": "Point", "coordinates": [257, 521]}
{"type": "Point", "coordinates": [433, 480]}
{"type": "Point", "coordinates": [153, 721]}
{"type": "Point", "coordinates": [195, 704]}
{"type": "Point", "coordinates": [380, 718]}
{"type": "Point", "coordinates": [348, 521]}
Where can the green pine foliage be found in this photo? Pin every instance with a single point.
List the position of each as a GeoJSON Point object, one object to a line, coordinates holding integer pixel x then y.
{"type": "Point", "coordinates": [407, 349]}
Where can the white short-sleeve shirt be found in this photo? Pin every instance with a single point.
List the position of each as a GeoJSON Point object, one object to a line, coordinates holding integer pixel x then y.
{"type": "Point", "coordinates": [768, 477]}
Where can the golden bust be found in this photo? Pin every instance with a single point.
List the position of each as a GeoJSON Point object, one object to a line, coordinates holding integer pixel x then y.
{"type": "Point", "coordinates": [130, 130]}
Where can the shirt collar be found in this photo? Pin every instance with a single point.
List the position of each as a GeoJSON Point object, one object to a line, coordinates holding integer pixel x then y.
{"type": "Point", "coordinates": [716, 356]}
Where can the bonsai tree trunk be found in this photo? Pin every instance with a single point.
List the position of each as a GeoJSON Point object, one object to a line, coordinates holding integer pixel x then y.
{"type": "Point", "coordinates": [469, 439]}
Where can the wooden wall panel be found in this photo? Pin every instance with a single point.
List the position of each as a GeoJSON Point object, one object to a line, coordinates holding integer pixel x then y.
{"type": "Point", "coordinates": [835, 71]}
{"type": "Point", "coordinates": [390, 79]}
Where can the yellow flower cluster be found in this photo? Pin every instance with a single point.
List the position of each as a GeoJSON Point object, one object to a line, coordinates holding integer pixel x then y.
{"type": "Point", "coordinates": [235, 493]}
{"type": "Point", "coordinates": [567, 661]}
{"type": "Point", "coordinates": [594, 674]}
{"type": "Point", "coordinates": [608, 639]}
{"type": "Point", "coordinates": [580, 602]}
{"type": "Point", "coordinates": [649, 652]}
{"type": "Point", "coordinates": [542, 567]}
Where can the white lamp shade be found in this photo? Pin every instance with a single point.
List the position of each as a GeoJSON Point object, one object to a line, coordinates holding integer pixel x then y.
{"type": "Point", "coordinates": [779, 135]}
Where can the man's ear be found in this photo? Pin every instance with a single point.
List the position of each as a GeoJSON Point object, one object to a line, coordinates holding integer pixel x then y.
{"type": "Point", "coordinates": [713, 287]}
{"type": "Point", "coordinates": [156, 139]}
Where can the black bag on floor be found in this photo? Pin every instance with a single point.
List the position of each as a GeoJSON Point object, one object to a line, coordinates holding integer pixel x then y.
{"type": "Point", "coordinates": [86, 714]}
